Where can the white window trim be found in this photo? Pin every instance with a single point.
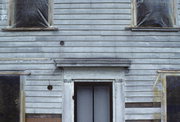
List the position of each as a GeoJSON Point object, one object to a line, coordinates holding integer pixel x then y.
{"type": "Point", "coordinates": [118, 99]}
{"type": "Point", "coordinates": [176, 22]}
{"type": "Point", "coordinates": [176, 13]}
{"type": "Point", "coordinates": [11, 8]}
{"type": "Point", "coordinates": [134, 10]}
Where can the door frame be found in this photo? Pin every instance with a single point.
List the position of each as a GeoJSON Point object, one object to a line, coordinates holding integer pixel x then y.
{"type": "Point", "coordinates": [118, 99]}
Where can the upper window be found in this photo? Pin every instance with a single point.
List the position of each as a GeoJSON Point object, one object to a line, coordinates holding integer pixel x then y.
{"type": "Point", "coordinates": [154, 13]}
{"type": "Point", "coordinates": [30, 13]}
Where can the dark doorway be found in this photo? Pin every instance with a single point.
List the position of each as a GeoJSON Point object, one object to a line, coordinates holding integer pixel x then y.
{"type": "Point", "coordinates": [9, 98]}
{"type": "Point", "coordinates": [93, 102]}
{"type": "Point", "coordinates": [173, 98]}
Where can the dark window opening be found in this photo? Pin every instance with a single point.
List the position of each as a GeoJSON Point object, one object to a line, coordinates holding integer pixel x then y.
{"type": "Point", "coordinates": [31, 13]}
{"type": "Point", "coordinates": [154, 13]}
{"type": "Point", "coordinates": [9, 99]}
{"type": "Point", "coordinates": [93, 102]}
{"type": "Point", "coordinates": [173, 98]}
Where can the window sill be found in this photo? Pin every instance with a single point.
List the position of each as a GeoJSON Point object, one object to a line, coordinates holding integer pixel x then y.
{"type": "Point", "coordinates": [30, 29]}
{"type": "Point", "coordinates": [153, 29]}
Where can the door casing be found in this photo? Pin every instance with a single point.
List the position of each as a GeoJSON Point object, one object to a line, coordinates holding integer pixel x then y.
{"type": "Point", "coordinates": [108, 84]}
{"type": "Point", "coordinates": [118, 99]}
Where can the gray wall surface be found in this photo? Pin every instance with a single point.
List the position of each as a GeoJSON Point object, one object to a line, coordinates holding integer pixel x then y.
{"type": "Point", "coordinates": [90, 29]}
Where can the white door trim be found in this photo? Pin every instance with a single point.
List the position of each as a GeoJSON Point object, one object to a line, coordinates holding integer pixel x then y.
{"type": "Point", "coordinates": [118, 98]}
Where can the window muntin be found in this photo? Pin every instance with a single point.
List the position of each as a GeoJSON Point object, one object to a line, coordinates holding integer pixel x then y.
{"type": "Point", "coordinates": [30, 13]}
{"type": "Point", "coordinates": [154, 13]}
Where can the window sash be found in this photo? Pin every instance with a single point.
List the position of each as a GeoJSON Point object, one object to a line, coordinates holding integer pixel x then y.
{"type": "Point", "coordinates": [12, 19]}
{"type": "Point", "coordinates": [134, 15]}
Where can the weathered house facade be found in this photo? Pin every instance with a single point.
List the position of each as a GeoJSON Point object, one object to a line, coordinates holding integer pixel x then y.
{"type": "Point", "coordinates": [89, 60]}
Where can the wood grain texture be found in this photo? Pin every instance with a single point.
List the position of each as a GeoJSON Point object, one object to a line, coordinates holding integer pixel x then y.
{"type": "Point", "coordinates": [43, 120]}
{"type": "Point", "coordinates": [96, 62]}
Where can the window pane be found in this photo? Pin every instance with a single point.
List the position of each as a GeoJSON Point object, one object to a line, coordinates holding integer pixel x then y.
{"type": "Point", "coordinates": [154, 13]}
{"type": "Point", "coordinates": [173, 98]}
{"type": "Point", "coordinates": [31, 13]}
{"type": "Point", "coordinates": [9, 98]}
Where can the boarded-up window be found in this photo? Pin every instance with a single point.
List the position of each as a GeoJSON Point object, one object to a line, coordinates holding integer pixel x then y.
{"type": "Point", "coordinates": [154, 13]}
{"type": "Point", "coordinates": [31, 13]}
{"type": "Point", "coordinates": [9, 99]}
{"type": "Point", "coordinates": [173, 98]}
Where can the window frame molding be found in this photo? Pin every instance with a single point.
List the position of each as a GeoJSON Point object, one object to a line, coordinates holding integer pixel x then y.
{"type": "Point", "coordinates": [11, 21]}
{"type": "Point", "coordinates": [22, 100]}
{"type": "Point", "coordinates": [134, 27]}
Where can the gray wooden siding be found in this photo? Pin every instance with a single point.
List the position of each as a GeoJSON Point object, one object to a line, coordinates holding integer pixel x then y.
{"type": "Point", "coordinates": [90, 29]}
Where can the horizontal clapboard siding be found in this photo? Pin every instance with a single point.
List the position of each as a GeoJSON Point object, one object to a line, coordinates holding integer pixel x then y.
{"type": "Point", "coordinates": [89, 29]}
{"type": "Point", "coordinates": [141, 113]}
{"type": "Point", "coordinates": [38, 98]}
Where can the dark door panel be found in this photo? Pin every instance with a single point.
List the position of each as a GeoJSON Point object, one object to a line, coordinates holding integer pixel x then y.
{"type": "Point", "coordinates": [93, 102]}
{"type": "Point", "coordinates": [173, 98]}
{"type": "Point", "coordinates": [9, 99]}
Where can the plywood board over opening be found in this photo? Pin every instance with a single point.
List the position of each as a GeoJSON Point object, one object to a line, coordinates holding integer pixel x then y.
{"type": "Point", "coordinates": [43, 118]}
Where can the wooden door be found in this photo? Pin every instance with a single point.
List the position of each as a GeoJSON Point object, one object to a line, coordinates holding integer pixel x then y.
{"type": "Point", "coordinates": [93, 102]}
